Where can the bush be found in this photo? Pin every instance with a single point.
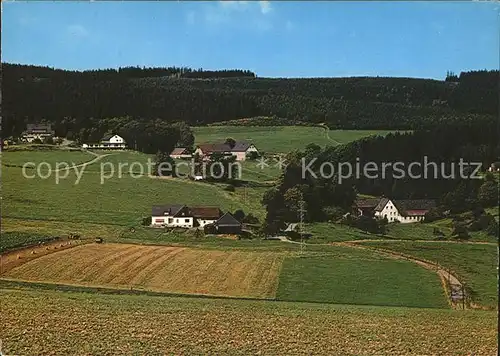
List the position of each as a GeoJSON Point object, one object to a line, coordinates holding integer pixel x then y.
{"type": "Point", "coordinates": [460, 231]}
{"type": "Point", "coordinates": [239, 215]}
{"type": "Point", "coordinates": [146, 221]}
{"type": "Point", "coordinates": [492, 228]}
{"type": "Point", "coordinates": [252, 155]}
{"type": "Point", "coordinates": [209, 229]}
{"type": "Point", "coordinates": [250, 219]}
{"type": "Point", "coordinates": [333, 213]}
{"type": "Point", "coordinates": [37, 141]}
{"type": "Point", "coordinates": [48, 140]}
{"type": "Point", "coordinates": [433, 214]}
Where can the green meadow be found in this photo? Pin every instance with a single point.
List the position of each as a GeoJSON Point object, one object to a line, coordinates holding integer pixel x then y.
{"type": "Point", "coordinates": [280, 139]}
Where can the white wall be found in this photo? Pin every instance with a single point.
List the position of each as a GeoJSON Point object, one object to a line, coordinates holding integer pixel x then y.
{"type": "Point", "coordinates": [169, 221]}
{"type": "Point", "coordinates": [390, 211]}
{"type": "Point", "coordinates": [116, 139]}
{"type": "Point", "coordinates": [203, 222]}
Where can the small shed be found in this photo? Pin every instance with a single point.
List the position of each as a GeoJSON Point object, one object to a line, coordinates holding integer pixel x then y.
{"type": "Point", "coordinates": [227, 224]}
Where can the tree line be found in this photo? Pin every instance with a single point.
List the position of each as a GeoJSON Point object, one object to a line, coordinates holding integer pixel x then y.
{"type": "Point", "coordinates": [200, 97]}
{"type": "Point", "coordinates": [323, 196]}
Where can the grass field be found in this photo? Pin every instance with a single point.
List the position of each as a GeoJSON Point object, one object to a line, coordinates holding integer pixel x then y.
{"type": "Point", "coordinates": [115, 201]}
{"type": "Point", "coordinates": [475, 264]}
{"type": "Point", "coordinates": [158, 268]}
{"type": "Point", "coordinates": [19, 158]}
{"type": "Point", "coordinates": [46, 322]}
{"type": "Point", "coordinates": [280, 139]}
{"type": "Point", "coordinates": [360, 279]}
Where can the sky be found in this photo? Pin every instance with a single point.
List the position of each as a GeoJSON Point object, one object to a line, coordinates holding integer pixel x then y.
{"type": "Point", "coordinates": [270, 38]}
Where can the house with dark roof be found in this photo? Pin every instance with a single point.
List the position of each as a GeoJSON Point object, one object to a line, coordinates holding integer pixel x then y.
{"type": "Point", "coordinates": [173, 215]}
{"type": "Point", "coordinates": [180, 153]}
{"type": "Point", "coordinates": [204, 215]}
{"type": "Point", "coordinates": [178, 215]}
{"type": "Point", "coordinates": [108, 142]}
{"type": "Point", "coordinates": [227, 224]}
{"type": "Point", "coordinates": [240, 149]}
{"type": "Point", "coordinates": [37, 131]}
{"type": "Point", "coordinates": [366, 206]}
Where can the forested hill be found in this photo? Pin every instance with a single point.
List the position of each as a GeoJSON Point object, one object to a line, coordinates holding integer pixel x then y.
{"type": "Point", "coordinates": [201, 97]}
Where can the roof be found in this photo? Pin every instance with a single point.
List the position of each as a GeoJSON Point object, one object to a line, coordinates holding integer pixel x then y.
{"type": "Point", "coordinates": [39, 127]}
{"type": "Point", "coordinates": [240, 146]}
{"type": "Point", "coordinates": [381, 204]}
{"type": "Point", "coordinates": [178, 150]}
{"type": "Point", "coordinates": [206, 212]}
{"type": "Point", "coordinates": [367, 203]}
{"type": "Point", "coordinates": [227, 220]}
{"type": "Point", "coordinates": [170, 210]}
{"type": "Point", "coordinates": [291, 227]}
{"type": "Point", "coordinates": [215, 147]}
{"type": "Point", "coordinates": [414, 207]}
{"type": "Point", "coordinates": [107, 137]}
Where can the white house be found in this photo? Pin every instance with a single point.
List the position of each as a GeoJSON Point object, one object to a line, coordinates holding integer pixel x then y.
{"type": "Point", "coordinates": [108, 142]}
{"type": "Point", "coordinates": [178, 215]}
{"type": "Point", "coordinates": [240, 150]}
{"type": "Point", "coordinates": [171, 216]}
{"type": "Point", "coordinates": [404, 211]}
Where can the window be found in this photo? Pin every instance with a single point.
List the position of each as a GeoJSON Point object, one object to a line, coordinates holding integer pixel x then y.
{"type": "Point", "coordinates": [176, 220]}
{"type": "Point", "coordinates": [170, 220]}
{"type": "Point", "coordinates": [186, 220]}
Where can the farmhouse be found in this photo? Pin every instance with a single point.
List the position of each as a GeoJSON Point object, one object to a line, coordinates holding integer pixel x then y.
{"type": "Point", "coordinates": [178, 215]}
{"type": "Point", "coordinates": [180, 153]}
{"type": "Point", "coordinates": [240, 150]}
{"type": "Point", "coordinates": [108, 142]}
{"type": "Point", "coordinates": [404, 211]}
{"type": "Point", "coordinates": [37, 131]}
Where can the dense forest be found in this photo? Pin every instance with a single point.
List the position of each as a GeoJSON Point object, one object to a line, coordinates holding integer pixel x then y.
{"type": "Point", "coordinates": [73, 100]}
{"type": "Point", "coordinates": [325, 195]}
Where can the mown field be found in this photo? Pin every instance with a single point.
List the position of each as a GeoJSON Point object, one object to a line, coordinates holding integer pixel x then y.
{"type": "Point", "coordinates": [360, 278]}
{"type": "Point", "coordinates": [52, 157]}
{"type": "Point", "coordinates": [280, 139]}
{"type": "Point", "coordinates": [475, 264]}
{"type": "Point", "coordinates": [158, 268]}
{"type": "Point", "coordinates": [47, 322]}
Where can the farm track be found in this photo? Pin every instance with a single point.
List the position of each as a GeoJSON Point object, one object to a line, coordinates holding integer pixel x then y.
{"type": "Point", "coordinates": [97, 157]}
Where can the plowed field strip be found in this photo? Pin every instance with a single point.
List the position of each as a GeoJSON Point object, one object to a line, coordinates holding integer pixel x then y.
{"type": "Point", "coordinates": [143, 277]}
{"type": "Point", "coordinates": [158, 268]}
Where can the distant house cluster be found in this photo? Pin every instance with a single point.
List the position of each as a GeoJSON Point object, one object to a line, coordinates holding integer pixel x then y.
{"type": "Point", "coordinates": [183, 216]}
{"type": "Point", "coordinates": [37, 131]}
{"type": "Point", "coordinates": [404, 211]}
{"type": "Point", "coordinates": [240, 150]}
{"type": "Point", "coordinates": [108, 142]}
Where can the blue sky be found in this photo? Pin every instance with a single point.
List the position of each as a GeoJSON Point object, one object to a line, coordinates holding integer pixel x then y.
{"type": "Point", "coordinates": [273, 39]}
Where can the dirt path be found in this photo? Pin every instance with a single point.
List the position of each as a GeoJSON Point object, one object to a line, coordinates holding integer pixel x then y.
{"type": "Point", "coordinates": [327, 133]}
{"type": "Point", "coordinates": [85, 164]}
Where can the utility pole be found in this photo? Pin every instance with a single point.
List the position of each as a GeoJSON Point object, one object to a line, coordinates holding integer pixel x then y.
{"type": "Point", "coordinates": [301, 225]}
